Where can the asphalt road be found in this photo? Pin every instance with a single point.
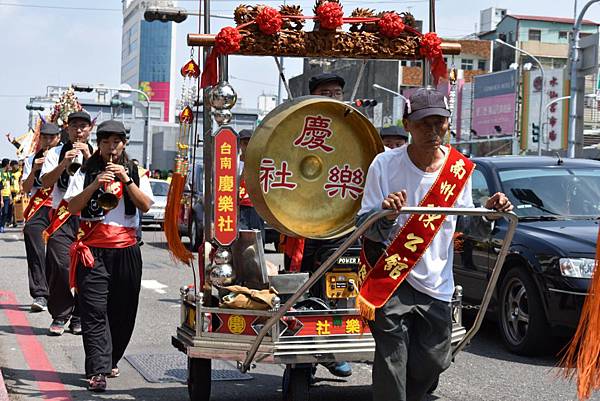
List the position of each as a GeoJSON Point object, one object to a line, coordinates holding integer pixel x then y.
{"type": "Point", "coordinates": [37, 366]}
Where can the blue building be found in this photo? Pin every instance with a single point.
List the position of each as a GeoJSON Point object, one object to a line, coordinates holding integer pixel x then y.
{"type": "Point", "coordinates": [147, 57]}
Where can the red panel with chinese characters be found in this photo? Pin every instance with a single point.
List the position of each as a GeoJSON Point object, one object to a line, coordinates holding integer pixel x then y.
{"type": "Point", "coordinates": [225, 186]}
{"type": "Point", "coordinates": [328, 325]}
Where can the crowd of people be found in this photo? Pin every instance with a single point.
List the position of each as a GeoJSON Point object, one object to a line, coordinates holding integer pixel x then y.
{"type": "Point", "coordinates": [11, 193]}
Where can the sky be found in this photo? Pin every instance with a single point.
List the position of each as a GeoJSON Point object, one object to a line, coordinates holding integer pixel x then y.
{"type": "Point", "coordinates": [59, 42]}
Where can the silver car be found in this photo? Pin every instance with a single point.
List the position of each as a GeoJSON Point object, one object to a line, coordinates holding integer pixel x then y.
{"type": "Point", "coordinates": [156, 214]}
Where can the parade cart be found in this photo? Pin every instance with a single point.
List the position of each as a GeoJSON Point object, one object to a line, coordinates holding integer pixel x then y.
{"type": "Point", "coordinates": [305, 169]}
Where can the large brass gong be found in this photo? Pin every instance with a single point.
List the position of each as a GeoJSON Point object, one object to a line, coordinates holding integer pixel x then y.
{"type": "Point", "coordinates": [306, 166]}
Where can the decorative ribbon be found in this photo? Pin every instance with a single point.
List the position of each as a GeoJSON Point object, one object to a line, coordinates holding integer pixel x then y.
{"type": "Point", "coordinates": [391, 25]}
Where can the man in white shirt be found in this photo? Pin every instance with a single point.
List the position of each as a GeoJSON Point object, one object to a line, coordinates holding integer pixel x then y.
{"type": "Point", "coordinates": [56, 173]}
{"type": "Point", "coordinates": [412, 329]}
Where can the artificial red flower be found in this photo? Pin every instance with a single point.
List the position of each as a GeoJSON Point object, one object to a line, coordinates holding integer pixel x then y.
{"type": "Point", "coordinates": [228, 40]}
{"type": "Point", "coordinates": [330, 15]}
{"type": "Point", "coordinates": [391, 25]}
{"type": "Point", "coordinates": [269, 20]}
{"type": "Point", "coordinates": [431, 46]}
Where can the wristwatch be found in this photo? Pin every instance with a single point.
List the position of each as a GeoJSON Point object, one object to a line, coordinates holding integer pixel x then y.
{"type": "Point", "coordinates": [128, 183]}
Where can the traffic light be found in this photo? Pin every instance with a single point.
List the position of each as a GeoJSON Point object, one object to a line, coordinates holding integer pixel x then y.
{"type": "Point", "coordinates": [82, 88]}
{"type": "Point", "coordinates": [32, 107]}
{"type": "Point", "coordinates": [165, 14]}
{"type": "Point", "coordinates": [535, 133]}
{"type": "Point", "coordinates": [121, 103]}
{"type": "Point", "coordinates": [364, 102]}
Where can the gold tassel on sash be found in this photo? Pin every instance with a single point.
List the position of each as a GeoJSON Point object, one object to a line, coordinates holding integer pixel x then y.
{"type": "Point", "coordinates": [365, 308]}
{"type": "Point", "coordinates": [582, 355]}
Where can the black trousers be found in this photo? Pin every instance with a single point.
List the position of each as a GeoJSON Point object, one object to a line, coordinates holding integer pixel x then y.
{"type": "Point", "coordinates": [108, 297]}
{"type": "Point", "coordinates": [62, 303]}
{"type": "Point", "coordinates": [35, 248]}
{"type": "Point", "coordinates": [412, 333]}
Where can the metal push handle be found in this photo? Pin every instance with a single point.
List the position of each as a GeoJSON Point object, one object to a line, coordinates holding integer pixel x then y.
{"type": "Point", "coordinates": [352, 239]}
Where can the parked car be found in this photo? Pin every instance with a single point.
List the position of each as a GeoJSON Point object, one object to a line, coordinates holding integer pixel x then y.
{"type": "Point", "coordinates": [191, 218]}
{"type": "Point", "coordinates": [551, 259]}
{"type": "Point", "coordinates": [156, 214]}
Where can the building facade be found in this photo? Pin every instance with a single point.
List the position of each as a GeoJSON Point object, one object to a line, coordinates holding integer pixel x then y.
{"type": "Point", "coordinates": [547, 38]}
{"type": "Point", "coordinates": [148, 54]}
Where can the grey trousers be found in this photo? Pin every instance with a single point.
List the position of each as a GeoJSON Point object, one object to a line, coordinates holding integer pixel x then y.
{"type": "Point", "coordinates": [412, 333]}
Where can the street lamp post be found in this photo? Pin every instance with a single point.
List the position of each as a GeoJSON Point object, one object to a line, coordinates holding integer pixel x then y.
{"type": "Point", "coordinates": [558, 99]}
{"type": "Point", "coordinates": [383, 88]}
{"type": "Point", "coordinates": [90, 88]}
{"type": "Point", "coordinates": [541, 91]}
{"type": "Point", "coordinates": [573, 79]}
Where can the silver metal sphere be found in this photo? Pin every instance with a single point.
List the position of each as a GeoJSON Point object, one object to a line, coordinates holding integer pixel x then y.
{"type": "Point", "coordinates": [276, 302]}
{"type": "Point", "coordinates": [222, 275]}
{"type": "Point", "coordinates": [222, 256]}
{"type": "Point", "coordinates": [223, 96]}
{"type": "Point", "coordinates": [222, 116]}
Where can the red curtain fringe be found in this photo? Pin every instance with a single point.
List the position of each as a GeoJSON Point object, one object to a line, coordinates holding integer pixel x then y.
{"type": "Point", "coordinates": [581, 357]}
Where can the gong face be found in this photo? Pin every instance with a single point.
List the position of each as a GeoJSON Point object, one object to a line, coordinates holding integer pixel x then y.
{"type": "Point", "coordinates": [306, 166]}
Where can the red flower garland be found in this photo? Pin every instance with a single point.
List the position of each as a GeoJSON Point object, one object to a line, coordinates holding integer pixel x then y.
{"type": "Point", "coordinates": [228, 40]}
{"type": "Point", "coordinates": [431, 46]}
{"type": "Point", "coordinates": [330, 15]}
{"type": "Point", "coordinates": [269, 20]}
{"type": "Point", "coordinates": [391, 25]}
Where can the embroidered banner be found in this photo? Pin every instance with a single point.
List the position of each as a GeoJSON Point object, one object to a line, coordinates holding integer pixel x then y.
{"type": "Point", "coordinates": [58, 219]}
{"type": "Point", "coordinates": [37, 201]}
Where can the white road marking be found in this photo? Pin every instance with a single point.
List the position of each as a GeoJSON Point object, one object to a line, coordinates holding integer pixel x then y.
{"type": "Point", "coordinates": [154, 285]}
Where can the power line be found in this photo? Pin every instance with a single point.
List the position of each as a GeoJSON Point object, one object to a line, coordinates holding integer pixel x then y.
{"type": "Point", "coordinates": [60, 7]}
{"type": "Point", "coordinates": [251, 81]}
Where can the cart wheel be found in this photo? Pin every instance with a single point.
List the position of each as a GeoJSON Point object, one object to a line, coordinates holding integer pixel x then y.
{"type": "Point", "coordinates": [199, 379]}
{"type": "Point", "coordinates": [296, 381]}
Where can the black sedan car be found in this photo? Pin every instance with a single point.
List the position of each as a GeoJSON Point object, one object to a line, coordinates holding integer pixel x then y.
{"type": "Point", "coordinates": [551, 259]}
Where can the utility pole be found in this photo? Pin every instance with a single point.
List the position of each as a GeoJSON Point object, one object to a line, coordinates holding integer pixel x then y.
{"type": "Point", "coordinates": [575, 144]}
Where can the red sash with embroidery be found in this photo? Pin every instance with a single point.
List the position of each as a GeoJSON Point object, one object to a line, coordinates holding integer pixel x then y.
{"type": "Point", "coordinates": [379, 282]}
{"type": "Point", "coordinates": [97, 235]}
{"type": "Point", "coordinates": [60, 217]}
{"type": "Point", "coordinates": [36, 202]}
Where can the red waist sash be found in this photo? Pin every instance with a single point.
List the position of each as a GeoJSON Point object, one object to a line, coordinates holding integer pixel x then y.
{"type": "Point", "coordinates": [97, 235]}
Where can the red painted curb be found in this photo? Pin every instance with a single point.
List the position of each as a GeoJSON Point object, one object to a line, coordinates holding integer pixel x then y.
{"type": "Point", "coordinates": [46, 377]}
{"type": "Point", "coordinates": [3, 392]}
